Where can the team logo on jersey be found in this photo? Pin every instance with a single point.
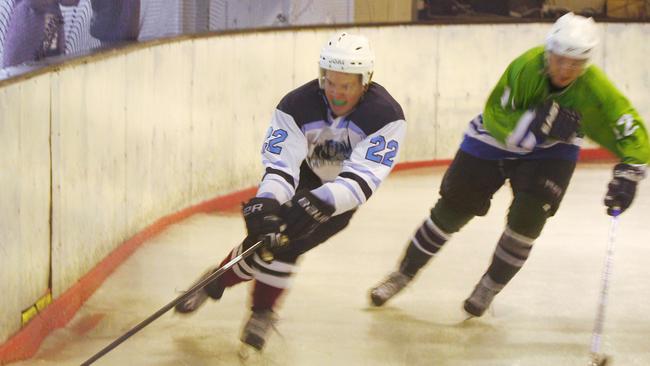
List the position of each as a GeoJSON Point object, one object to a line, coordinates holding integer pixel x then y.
{"type": "Point", "coordinates": [330, 152]}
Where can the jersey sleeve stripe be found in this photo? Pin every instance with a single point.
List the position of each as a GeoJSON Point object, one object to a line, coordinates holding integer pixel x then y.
{"type": "Point", "coordinates": [282, 174]}
{"type": "Point", "coordinates": [351, 189]}
{"type": "Point", "coordinates": [520, 137]}
{"type": "Point", "coordinates": [367, 191]}
{"type": "Point", "coordinates": [278, 163]}
{"type": "Point", "coordinates": [364, 170]}
{"type": "Point", "coordinates": [275, 187]}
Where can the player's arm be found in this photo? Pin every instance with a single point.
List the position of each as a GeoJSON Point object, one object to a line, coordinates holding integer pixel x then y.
{"type": "Point", "coordinates": [627, 129]}
{"type": "Point", "coordinates": [502, 110]}
{"type": "Point", "coordinates": [369, 164]}
{"type": "Point", "coordinates": [283, 150]}
{"type": "Point", "coordinates": [511, 117]}
{"type": "Point", "coordinates": [631, 146]}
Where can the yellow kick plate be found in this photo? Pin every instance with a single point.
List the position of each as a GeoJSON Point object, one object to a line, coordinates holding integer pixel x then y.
{"type": "Point", "coordinates": [29, 313]}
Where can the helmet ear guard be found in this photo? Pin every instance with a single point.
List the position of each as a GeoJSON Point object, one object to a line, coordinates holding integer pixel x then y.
{"type": "Point", "coordinates": [572, 36]}
{"type": "Point", "coordinates": [347, 53]}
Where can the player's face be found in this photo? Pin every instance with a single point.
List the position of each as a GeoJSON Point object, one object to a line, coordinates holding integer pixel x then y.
{"type": "Point", "coordinates": [564, 70]}
{"type": "Point", "coordinates": [343, 91]}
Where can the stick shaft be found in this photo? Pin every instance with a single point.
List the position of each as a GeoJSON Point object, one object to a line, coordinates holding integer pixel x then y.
{"type": "Point", "coordinates": [248, 252]}
{"type": "Point", "coordinates": [604, 289]}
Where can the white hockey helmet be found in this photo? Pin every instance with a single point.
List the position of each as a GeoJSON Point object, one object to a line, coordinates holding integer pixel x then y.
{"type": "Point", "coordinates": [572, 36]}
{"type": "Point", "coordinates": [347, 53]}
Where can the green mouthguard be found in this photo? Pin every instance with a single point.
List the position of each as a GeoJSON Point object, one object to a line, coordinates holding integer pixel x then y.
{"type": "Point", "coordinates": [338, 103]}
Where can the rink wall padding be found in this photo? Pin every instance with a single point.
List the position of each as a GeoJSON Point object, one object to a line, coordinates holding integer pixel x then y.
{"type": "Point", "coordinates": [25, 344]}
{"type": "Point", "coordinates": [97, 150]}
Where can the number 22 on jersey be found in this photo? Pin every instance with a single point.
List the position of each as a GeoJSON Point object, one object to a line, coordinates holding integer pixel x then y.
{"type": "Point", "coordinates": [273, 139]}
{"type": "Point", "coordinates": [382, 152]}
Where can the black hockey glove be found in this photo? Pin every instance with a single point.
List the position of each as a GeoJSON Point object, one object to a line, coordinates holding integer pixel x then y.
{"type": "Point", "coordinates": [263, 222]}
{"type": "Point", "coordinates": [555, 122]}
{"type": "Point", "coordinates": [622, 187]}
{"type": "Point", "coordinates": [303, 214]}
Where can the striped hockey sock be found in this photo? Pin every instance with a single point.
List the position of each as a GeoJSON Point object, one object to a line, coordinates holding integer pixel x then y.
{"type": "Point", "coordinates": [511, 253]}
{"type": "Point", "coordinates": [271, 280]}
{"type": "Point", "coordinates": [240, 272]}
{"type": "Point", "coordinates": [425, 243]}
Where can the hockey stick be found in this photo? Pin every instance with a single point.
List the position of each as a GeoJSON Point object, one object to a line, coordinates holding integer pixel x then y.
{"type": "Point", "coordinates": [247, 253]}
{"type": "Point", "coordinates": [598, 358]}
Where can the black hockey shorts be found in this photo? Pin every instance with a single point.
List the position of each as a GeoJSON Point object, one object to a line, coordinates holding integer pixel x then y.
{"type": "Point", "coordinates": [545, 180]}
{"type": "Point", "coordinates": [470, 182]}
{"type": "Point", "coordinates": [308, 181]}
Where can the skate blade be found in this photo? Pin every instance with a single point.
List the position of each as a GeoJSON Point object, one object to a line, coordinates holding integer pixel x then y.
{"type": "Point", "coordinates": [249, 355]}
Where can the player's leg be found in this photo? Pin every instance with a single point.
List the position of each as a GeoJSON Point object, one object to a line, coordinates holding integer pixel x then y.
{"type": "Point", "coordinates": [538, 188]}
{"type": "Point", "coordinates": [240, 272]}
{"type": "Point", "coordinates": [465, 192]}
{"type": "Point", "coordinates": [272, 280]}
{"type": "Point", "coordinates": [243, 271]}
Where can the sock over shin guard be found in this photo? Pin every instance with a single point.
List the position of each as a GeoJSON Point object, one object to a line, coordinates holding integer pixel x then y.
{"type": "Point", "coordinates": [511, 253]}
{"type": "Point", "coordinates": [425, 243]}
{"type": "Point", "coordinates": [240, 272]}
{"type": "Point", "coordinates": [271, 280]}
{"type": "Point", "coordinates": [434, 232]}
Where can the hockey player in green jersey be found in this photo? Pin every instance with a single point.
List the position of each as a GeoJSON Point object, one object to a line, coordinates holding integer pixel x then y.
{"type": "Point", "coordinates": [530, 133]}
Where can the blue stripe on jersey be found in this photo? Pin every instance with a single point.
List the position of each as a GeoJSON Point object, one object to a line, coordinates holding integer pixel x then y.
{"type": "Point", "coordinates": [278, 163]}
{"type": "Point", "coordinates": [478, 129]}
{"type": "Point", "coordinates": [347, 185]}
{"type": "Point", "coordinates": [364, 169]}
{"type": "Point", "coordinates": [482, 150]}
{"type": "Point", "coordinates": [367, 191]}
{"type": "Point", "coordinates": [356, 129]}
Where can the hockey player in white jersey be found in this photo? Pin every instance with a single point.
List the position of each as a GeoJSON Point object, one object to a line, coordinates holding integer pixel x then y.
{"type": "Point", "coordinates": [330, 145]}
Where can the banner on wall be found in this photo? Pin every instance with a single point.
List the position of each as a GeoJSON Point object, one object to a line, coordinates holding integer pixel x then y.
{"type": "Point", "coordinates": [33, 30]}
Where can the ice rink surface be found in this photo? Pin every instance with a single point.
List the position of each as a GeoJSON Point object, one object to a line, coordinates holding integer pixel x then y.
{"type": "Point", "coordinates": [544, 317]}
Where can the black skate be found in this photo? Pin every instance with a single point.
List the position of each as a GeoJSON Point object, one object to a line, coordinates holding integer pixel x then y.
{"type": "Point", "coordinates": [194, 301]}
{"type": "Point", "coordinates": [479, 300]}
{"type": "Point", "coordinates": [389, 287]}
{"type": "Point", "coordinates": [257, 328]}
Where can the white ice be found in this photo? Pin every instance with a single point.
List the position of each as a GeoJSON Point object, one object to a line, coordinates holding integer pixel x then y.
{"type": "Point", "coordinates": [544, 317]}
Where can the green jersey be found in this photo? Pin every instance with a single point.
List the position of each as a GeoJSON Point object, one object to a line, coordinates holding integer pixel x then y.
{"type": "Point", "coordinates": [608, 118]}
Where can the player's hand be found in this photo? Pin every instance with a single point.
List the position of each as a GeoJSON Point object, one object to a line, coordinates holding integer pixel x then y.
{"type": "Point", "coordinates": [263, 222]}
{"type": "Point", "coordinates": [304, 213]}
{"type": "Point", "coordinates": [556, 122]}
{"type": "Point", "coordinates": [622, 188]}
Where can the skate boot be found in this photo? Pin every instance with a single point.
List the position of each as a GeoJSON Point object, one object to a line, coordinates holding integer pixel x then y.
{"type": "Point", "coordinates": [389, 287]}
{"type": "Point", "coordinates": [197, 299]}
{"type": "Point", "coordinates": [258, 327]}
{"type": "Point", "coordinates": [479, 300]}
{"type": "Point", "coordinates": [598, 360]}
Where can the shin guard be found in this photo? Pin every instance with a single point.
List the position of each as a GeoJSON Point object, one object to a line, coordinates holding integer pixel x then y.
{"type": "Point", "coordinates": [240, 272]}
{"type": "Point", "coordinates": [424, 244]}
{"type": "Point", "coordinates": [271, 280]}
{"type": "Point", "coordinates": [511, 253]}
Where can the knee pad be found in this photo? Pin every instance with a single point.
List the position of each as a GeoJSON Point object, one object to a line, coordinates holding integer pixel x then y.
{"type": "Point", "coordinates": [528, 215]}
{"type": "Point", "coordinates": [470, 182]}
{"type": "Point", "coordinates": [449, 218]}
